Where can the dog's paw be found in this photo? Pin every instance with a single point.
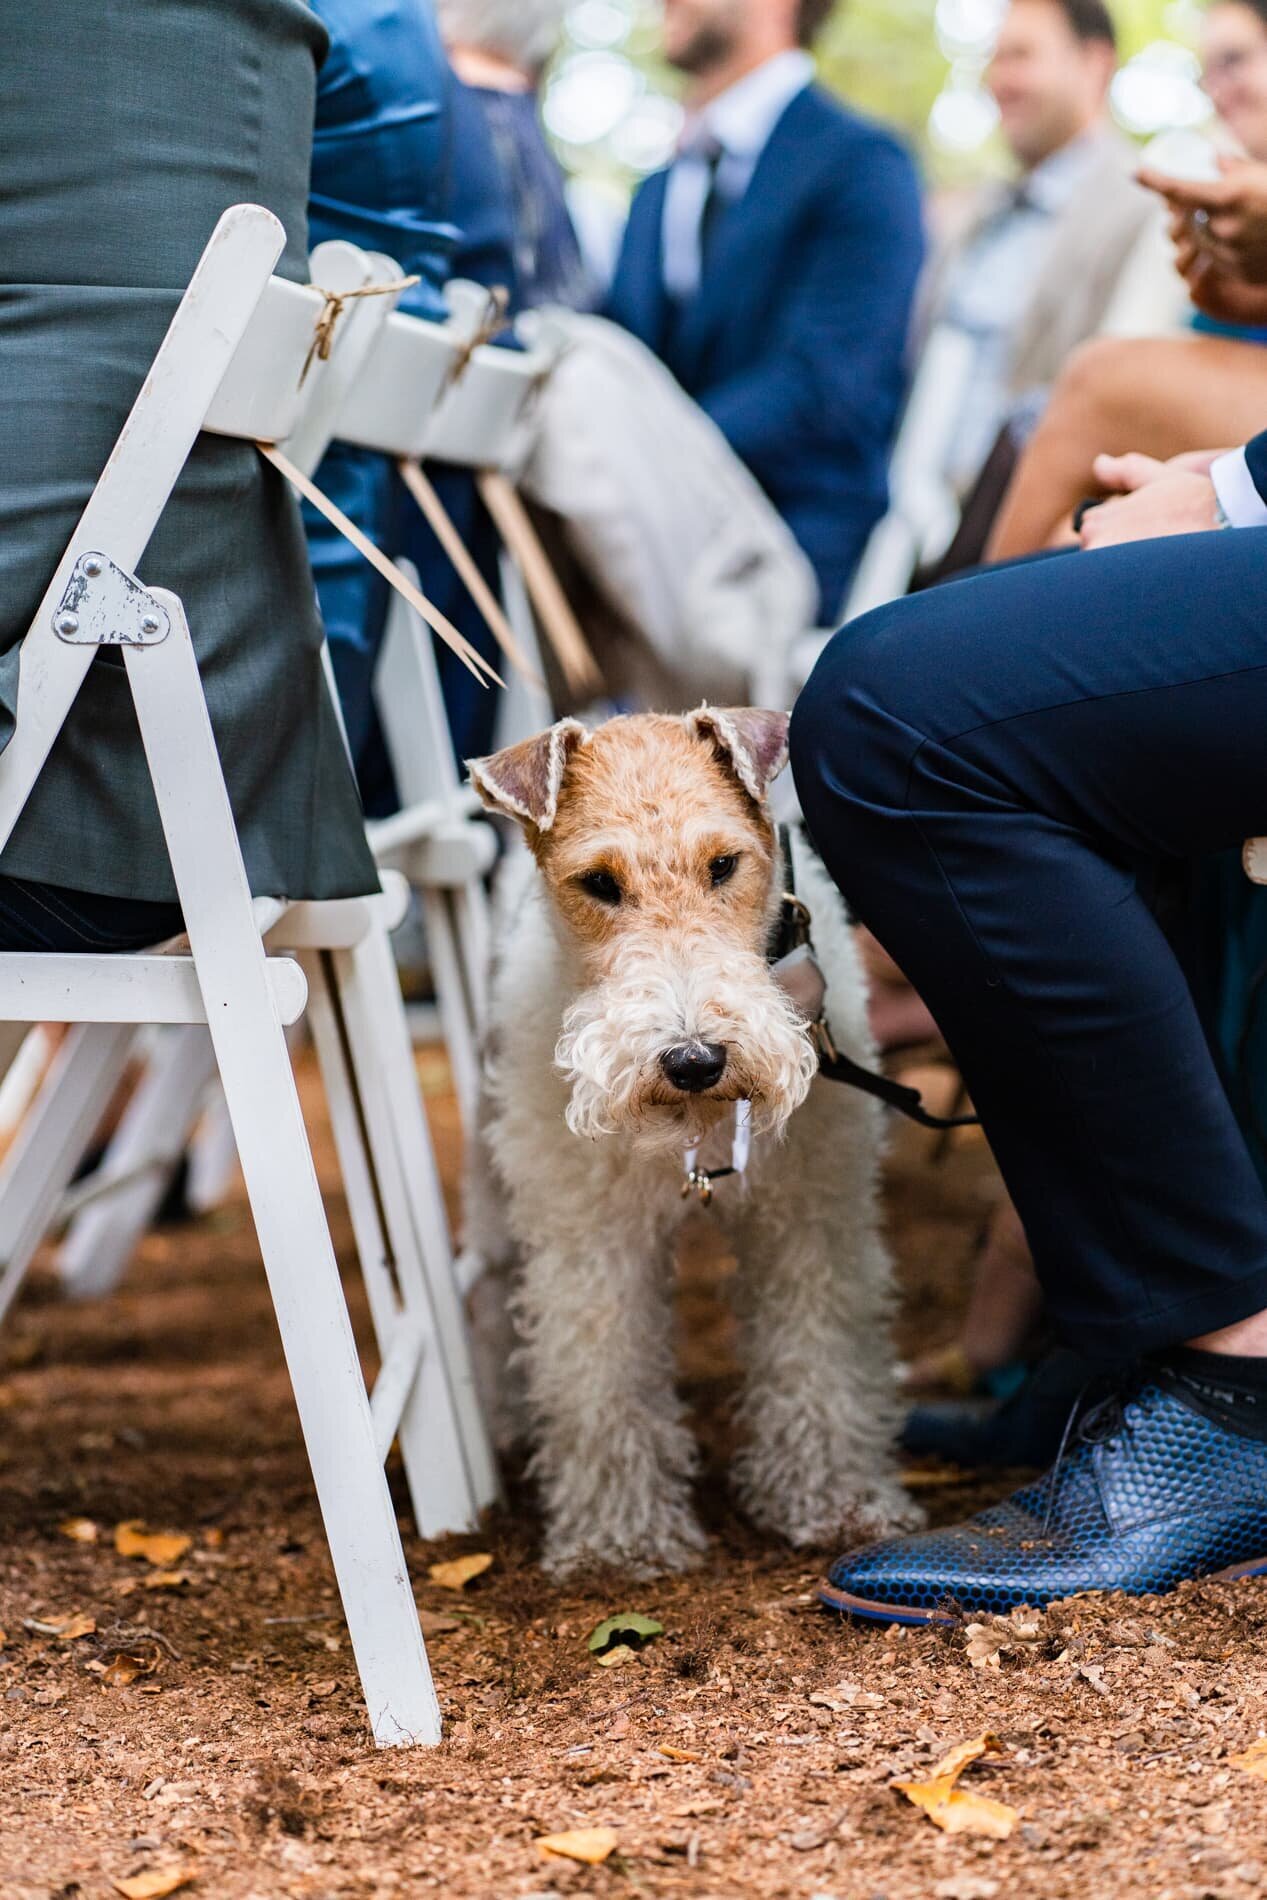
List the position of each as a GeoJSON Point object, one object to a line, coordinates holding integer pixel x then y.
{"type": "Point", "coordinates": [674, 1541]}
{"type": "Point", "coordinates": [818, 1512]}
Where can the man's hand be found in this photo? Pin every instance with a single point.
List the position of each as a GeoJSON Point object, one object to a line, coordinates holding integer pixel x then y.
{"type": "Point", "coordinates": [1226, 216]}
{"type": "Point", "coordinates": [1151, 498]}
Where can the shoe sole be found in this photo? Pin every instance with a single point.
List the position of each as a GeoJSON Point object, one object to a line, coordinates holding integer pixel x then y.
{"type": "Point", "coordinates": [869, 1612]}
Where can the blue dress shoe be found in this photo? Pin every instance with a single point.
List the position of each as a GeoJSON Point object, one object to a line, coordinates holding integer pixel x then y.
{"type": "Point", "coordinates": [1147, 1491]}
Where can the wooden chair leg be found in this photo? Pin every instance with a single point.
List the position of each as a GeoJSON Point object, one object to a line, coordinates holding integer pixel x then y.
{"type": "Point", "coordinates": [281, 1182]}
{"type": "Point", "coordinates": [52, 1140]}
{"type": "Point", "coordinates": [139, 1164]}
{"type": "Point", "coordinates": [382, 1060]}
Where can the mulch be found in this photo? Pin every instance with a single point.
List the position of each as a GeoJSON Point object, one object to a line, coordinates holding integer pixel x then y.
{"type": "Point", "coordinates": [210, 1725]}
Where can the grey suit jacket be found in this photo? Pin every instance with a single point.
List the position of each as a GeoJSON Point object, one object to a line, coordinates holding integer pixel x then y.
{"type": "Point", "coordinates": [1092, 244]}
{"type": "Point", "coordinates": [130, 125]}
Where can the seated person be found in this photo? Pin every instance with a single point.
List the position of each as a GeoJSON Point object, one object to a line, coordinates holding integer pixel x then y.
{"type": "Point", "coordinates": [380, 179]}
{"type": "Point", "coordinates": [498, 50]}
{"type": "Point", "coordinates": [992, 770]}
{"type": "Point", "coordinates": [1159, 395]}
{"type": "Point", "coordinates": [99, 236]}
{"type": "Point", "coordinates": [1041, 261]}
{"type": "Point", "coordinates": [772, 267]}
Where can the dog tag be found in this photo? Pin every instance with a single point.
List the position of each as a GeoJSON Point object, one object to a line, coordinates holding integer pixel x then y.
{"type": "Point", "coordinates": [800, 975]}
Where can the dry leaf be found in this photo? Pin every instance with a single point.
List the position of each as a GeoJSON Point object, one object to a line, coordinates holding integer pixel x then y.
{"type": "Point", "coordinates": [1001, 1636]}
{"type": "Point", "coordinates": [615, 1658]}
{"type": "Point", "coordinates": [1254, 1759]}
{"type": "Point", "coordinates": [677, 1754]}
{"type": "Point", "coordinates": [65, 1628]}
{"type": "Point", "coordinates": [434, 1625]}
{"type": "Point", "coordinates": [166, 1580]}
{"type": "Point", "coordinates": [80, 1530]}
{"type": "Point", "coordinates": [953, 1810]}
{"type": "Point", "coordinates": [161, 1548]}
{"type": "Point", "coordinates": [320, 1690]}
{"type": "Point", "coordinates": [965, 1887]}
{"type": "Point", "coordinates": [456, 1574]}
{"type": "Point", "coordinates": [123, 1669]}
{"type": "Point", "coordinates": [590, 1844]}
{"type": "Point", "coordinates": [156, 1884]}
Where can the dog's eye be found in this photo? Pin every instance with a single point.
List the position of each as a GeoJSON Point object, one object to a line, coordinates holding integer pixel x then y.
{"type": "Point", "coordinates": [600, 884]}
{"type": "Point", "coordinates": [722, 868]}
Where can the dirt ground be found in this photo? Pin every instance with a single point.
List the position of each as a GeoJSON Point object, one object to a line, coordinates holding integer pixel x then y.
{"type": "Point", "coordinates": [212, 1726]}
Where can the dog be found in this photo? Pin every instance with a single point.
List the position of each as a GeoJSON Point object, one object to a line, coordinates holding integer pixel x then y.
{"type": "Point", "coordinates": [633, 1012]}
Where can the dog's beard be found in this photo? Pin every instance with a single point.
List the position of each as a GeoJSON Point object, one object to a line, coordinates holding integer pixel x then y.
{"type": "Point", "coordinates": [614, 1034]}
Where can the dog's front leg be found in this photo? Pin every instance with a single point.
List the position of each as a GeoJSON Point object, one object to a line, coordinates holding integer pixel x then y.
{"type": "Point", "coordinates": [818, 1411]}
{"type": "Point", "coordinates": [612, 1456]}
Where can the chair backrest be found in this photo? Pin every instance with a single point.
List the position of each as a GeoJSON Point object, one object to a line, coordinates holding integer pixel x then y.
{"type": "Point", "coordinates": [479, 418]}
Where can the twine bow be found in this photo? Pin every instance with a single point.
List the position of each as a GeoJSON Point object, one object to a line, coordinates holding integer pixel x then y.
{"type": "Point", "coordinates": [495, 319]}
{"type": "Point", "coordinates": [324, 328]}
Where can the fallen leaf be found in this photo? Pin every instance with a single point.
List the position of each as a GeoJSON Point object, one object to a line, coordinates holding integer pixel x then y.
{"type": "Point", "coordinates": [458, 1572]}
{"type": "Point", "coordinates": [166, 1580]}
{"type": "Point", "coordinates": [161, 1548]}
{"type": "Point", "coordinates": [434, 1625]}
{"type": "Point", "coordinates": [123, 1669]}
{"type": "Point", "coordinates": [590, 1844]}
{"type": "Point", "coordinates": [615, 1658]}
{"type": "Point", "coordinates": [156, 1884]}
{"type": "Point", "coordinates": [677, 1754]}
{"type": "Point", "coordinates": [320, 1690]}
{"type": "Point", "coordinates": [80, 1530]}
{"type": "Point", "coordinates": [1253, 1759]}
{"type": "Point", "coordinates": [965, 1887]}
{"type": "Point", "coordinates": [628, 1627]}
{"type": "Point", "coordinates": [65, 1628]}
{"type": "Point", "coordinates": [1001, 1636]}
{"type": "Point", "coordinates": [953, 1810]}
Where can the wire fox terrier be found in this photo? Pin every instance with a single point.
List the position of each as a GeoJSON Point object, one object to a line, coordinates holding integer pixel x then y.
{"type": "Point", "coordinates": [634, 1018]}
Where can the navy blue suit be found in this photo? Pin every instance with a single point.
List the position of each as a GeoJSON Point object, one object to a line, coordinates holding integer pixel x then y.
{"type": "Point", "coordinates": [795, 343]}
{"type": "Point", "coordinates": [992, 770]}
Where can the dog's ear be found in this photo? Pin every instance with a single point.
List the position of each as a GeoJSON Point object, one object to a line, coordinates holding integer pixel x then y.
{"type": "Point", "coordinates": [752, 740]}
{"type": "Point", "coordinates": [523, 781]}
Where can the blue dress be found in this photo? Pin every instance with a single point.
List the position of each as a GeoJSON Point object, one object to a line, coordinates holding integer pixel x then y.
{"type": "Point", "coordinates": [380, 179]}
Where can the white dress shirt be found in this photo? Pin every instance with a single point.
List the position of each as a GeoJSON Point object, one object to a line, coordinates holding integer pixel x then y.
{"type": "Point", "coordinates": [724, 140]}
{"type": "Point", "coordinates": [1238, 497]}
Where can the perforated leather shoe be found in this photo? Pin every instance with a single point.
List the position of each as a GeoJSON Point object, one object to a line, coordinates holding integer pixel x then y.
{"type": "Point", "coordinates": [1148, 1490]}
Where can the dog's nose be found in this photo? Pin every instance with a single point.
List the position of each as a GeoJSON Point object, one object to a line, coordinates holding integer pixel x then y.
{"type": "Point", "coordinates": [694, 1066]}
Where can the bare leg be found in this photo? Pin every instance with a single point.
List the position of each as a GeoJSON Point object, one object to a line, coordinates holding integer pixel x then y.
{"type": "Point", "coordinates": [1003, 1311]}
{"type": "Point", "coordinates": [1157, 395]}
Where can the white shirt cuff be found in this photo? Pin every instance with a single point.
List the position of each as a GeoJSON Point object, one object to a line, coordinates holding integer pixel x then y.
{"type": "Point", "coordinates": [1238, 497]}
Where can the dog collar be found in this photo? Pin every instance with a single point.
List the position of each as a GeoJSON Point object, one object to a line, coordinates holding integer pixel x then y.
{"type": "Point", "coordinates": [699, 1181]}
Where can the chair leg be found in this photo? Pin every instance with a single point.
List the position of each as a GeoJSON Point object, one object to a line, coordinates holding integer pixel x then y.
{"type": "Point", "coordinates": [143, 1156]}
{"type": "Point", "coordinates": [281, 1183]}
{"type": "Point", "coordinates": [453, 997]}
{"type": "Point", "coordinates": [423, 1415]}
{"type": "Point", "coordinates": [52, 1140]}
{"type": "Point", "coordinates": [396, 1125]}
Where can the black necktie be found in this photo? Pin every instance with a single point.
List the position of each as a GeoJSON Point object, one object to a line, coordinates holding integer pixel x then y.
{"type": "Point", "coordinates": [715, 202]}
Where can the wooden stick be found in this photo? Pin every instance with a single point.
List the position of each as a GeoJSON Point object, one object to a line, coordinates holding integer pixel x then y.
{"type": "Point", "coordinates": [561, 626]}
{"type": "Point", "coordinates": [474, 662]}
{"type": "Point", "coordinates": [437, 515]}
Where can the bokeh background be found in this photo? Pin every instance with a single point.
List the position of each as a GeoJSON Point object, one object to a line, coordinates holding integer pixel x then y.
{"type": "Point", "coordinates": [611, 109]}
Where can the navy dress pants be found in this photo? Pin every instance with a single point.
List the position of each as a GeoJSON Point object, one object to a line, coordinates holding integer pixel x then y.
{"type": "Point", "coordinates": [992, 770]}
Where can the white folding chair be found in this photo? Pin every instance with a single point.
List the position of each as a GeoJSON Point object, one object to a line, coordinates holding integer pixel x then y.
{"type": "Point", "coordinates": [229, 977]}
{"type": "Point", "coordinates": [384, 377]}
